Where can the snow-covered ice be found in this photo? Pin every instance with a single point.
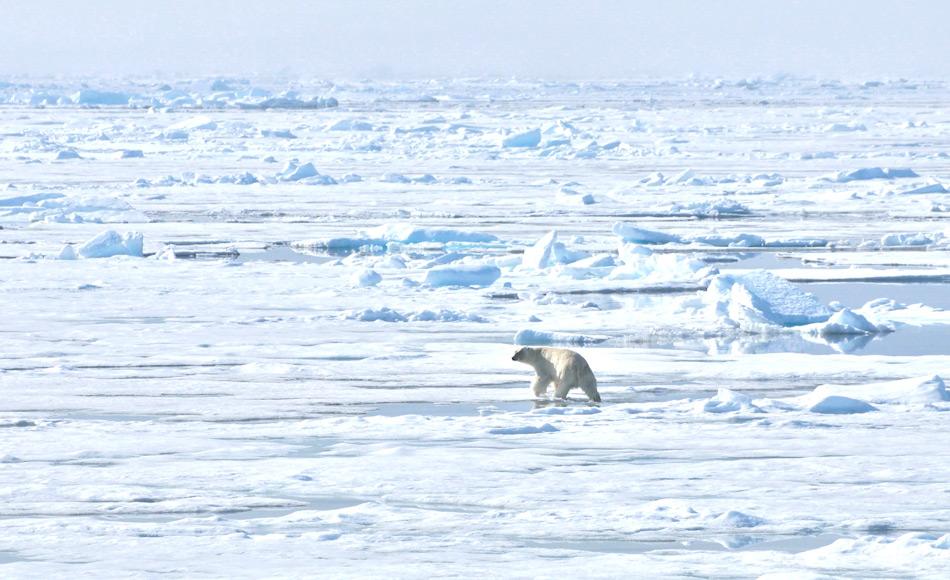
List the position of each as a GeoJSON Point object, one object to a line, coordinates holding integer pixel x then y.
{"type": "Point", "coordinates": [111, 243]}
{"type": "Point", "coordinates": [262, 327]}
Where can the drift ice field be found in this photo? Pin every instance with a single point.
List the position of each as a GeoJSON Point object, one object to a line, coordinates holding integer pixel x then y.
{"type": "Point", "coordinates": [264, 328]}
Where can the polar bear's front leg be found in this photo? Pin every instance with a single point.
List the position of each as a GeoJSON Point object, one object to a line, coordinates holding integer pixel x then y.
{"type": "Point", "coordinates": [540, 385]}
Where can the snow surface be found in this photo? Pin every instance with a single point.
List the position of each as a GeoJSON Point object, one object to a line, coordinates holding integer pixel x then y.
{"type": "Point", "coordinates": [291, 355]}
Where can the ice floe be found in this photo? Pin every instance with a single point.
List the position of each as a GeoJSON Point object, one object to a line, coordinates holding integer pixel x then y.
{"type": "Point", "coordinates": [111, 243]}
{"type": "Point", "coordinates": [410, 234]}
{"type": "Point", "coordinates": [867, 173]}
{"type": "Point", "coordinates": [528, 336]}
{"type": "Point", "coordinates": [100, 97]}
{"type": "Point", "coordinates": [716, 208]}
{"type": "Point", "coordinates": [288, 103]}
{"type": "Point", "coordinates": [527, 139]}
{"type": "Point", "coordinates": [305, 172]}
{"type": "Point", "coordinates": [67, 154]}
{"type": "Point", "coordinates": [760, 299]}
{"type": "Point", "coordinates": [462, 275]}
{"type": "Point", "coordinates": [351, 125]}
{"type": "Point", "coordinates": [400, 234]}
{"type": "Point", "coordinates": [913, 391]}
{"type": "Point", "coordinates": [846, 322]}
{"type": "Point", "coordinates": [836, 405]}
{"type": "Point", "coordinates": [539, 256]}
{"type": "Point", "coordinates": [366, 277]}
{"type": "Point", "coordinates": [631, 233]}
{"type": "Point", "coordinates": [386, 314]}
{"type": "Point", "coordinates": [727, 401]}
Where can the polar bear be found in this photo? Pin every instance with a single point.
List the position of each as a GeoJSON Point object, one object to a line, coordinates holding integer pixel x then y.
{"type": "Point", "coordinates": [565, 368]}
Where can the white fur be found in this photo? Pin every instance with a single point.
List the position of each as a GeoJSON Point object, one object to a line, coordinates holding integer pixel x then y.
{"type": "Point", "coordinates": [565, 368]}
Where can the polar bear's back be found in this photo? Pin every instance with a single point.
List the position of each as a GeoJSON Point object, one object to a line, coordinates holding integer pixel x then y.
{"type": "Point", "coordinates": [568, 361]}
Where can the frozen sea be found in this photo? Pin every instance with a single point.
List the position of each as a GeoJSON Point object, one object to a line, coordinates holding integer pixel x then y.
{"type": "Point", "coordinates": [263, 328]}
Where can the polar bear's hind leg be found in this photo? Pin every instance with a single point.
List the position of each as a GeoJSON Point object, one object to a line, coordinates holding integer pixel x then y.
{"type": "Point", "coordinates": [590, 389]}
{"type": "Point", "coordinates": [561, 389]}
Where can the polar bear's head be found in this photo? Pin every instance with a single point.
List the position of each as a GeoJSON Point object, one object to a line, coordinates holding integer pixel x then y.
{"type": "Point", "coordinates": [523, 354]}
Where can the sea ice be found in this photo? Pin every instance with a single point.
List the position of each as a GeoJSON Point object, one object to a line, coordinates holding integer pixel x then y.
{"type": "Point", "coordinates": [444, 315]}
{"type": "Point", "coordinates": [736, 241]}
{"type": "Point", "coordinates": [541, 337]}
{"type": "Point", "coordinates": [67, 154]}
{"type": "Point", "coordinates": [527, 139]}
{"type": "Point", "coordinates": [525, 430]}
{"type": "Point", "coordinates": [29, 201]}
{"type": "Point", "coordinates": [197, 123]}
{"type": "Point", "coordinates": [384, 314]}
{"type": "Point", "coordinates": [873, 173]}
{"type": "Point", "coordinates": [716, 208]}
{"type": "Point", "coordinates": [393, 177]}
{"type": "Point", "coordinates": [727, 401]}
{"type": "Point", "coordinates": [539, 256]}
{"type": "Point", "coordinates": [836, 405]}
{"type": "Point", "coordinates": [67, 253]}
{"type": "Point", "coordinates": [758, 298]}
{"type": "Point", "coordinates": [736, 519]}
{"type": "Point", "coordinates": [235, 411]}
{"type": "Point", "coordinates": [641, 263]}
{"type": "Point", "coordinates": [294, 171]}
{"type": "Point", "coordinates": [934, 187]}
{"type": "Point", "coordinates": [351, 125]}
{"type": "Point", "coordinates": [410, 234]}
{"type": "Point", "coordinates": [97, 97]}
{"type": "Point", "coordinates": [290, 103]}
{"type": "Point", "coordinates": [569, 196]}
{"type": "Point", "coordinates": [366, 277]}
{"type": "Point", "coordinates": [278, 133]}
{"type": "Point", "coordinates": [911, 239]}
{"type": "Point", "coordinates": [637, 235]}
{"type": "Point", "coordinates": [919, 390]}
{"type": "Point", "coordinates": [462, 275]}
{"type": "Point", "coordinates": [111, 243]}
{"type": "Point", "coordinates": [846, 322]}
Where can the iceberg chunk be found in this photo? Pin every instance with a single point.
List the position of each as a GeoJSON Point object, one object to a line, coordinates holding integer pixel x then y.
{"type": "Point", "coordinates": [760, 297]}
{"type": "Point", "coordinates": [918, 390]}
{"type": "Point", "coordinates": [111, 243]}
{"type": "Point", "coordinates": [631, 233]}
{"type": "Point", "coordinates": [530, 138]}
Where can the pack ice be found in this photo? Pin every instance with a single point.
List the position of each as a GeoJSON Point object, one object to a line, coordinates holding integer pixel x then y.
{"type": "Point", "coordinates": [262, 326]}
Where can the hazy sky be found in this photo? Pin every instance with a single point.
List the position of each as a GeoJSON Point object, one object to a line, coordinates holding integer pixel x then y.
{"type": "Point", "coordinates": [529, 38]}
